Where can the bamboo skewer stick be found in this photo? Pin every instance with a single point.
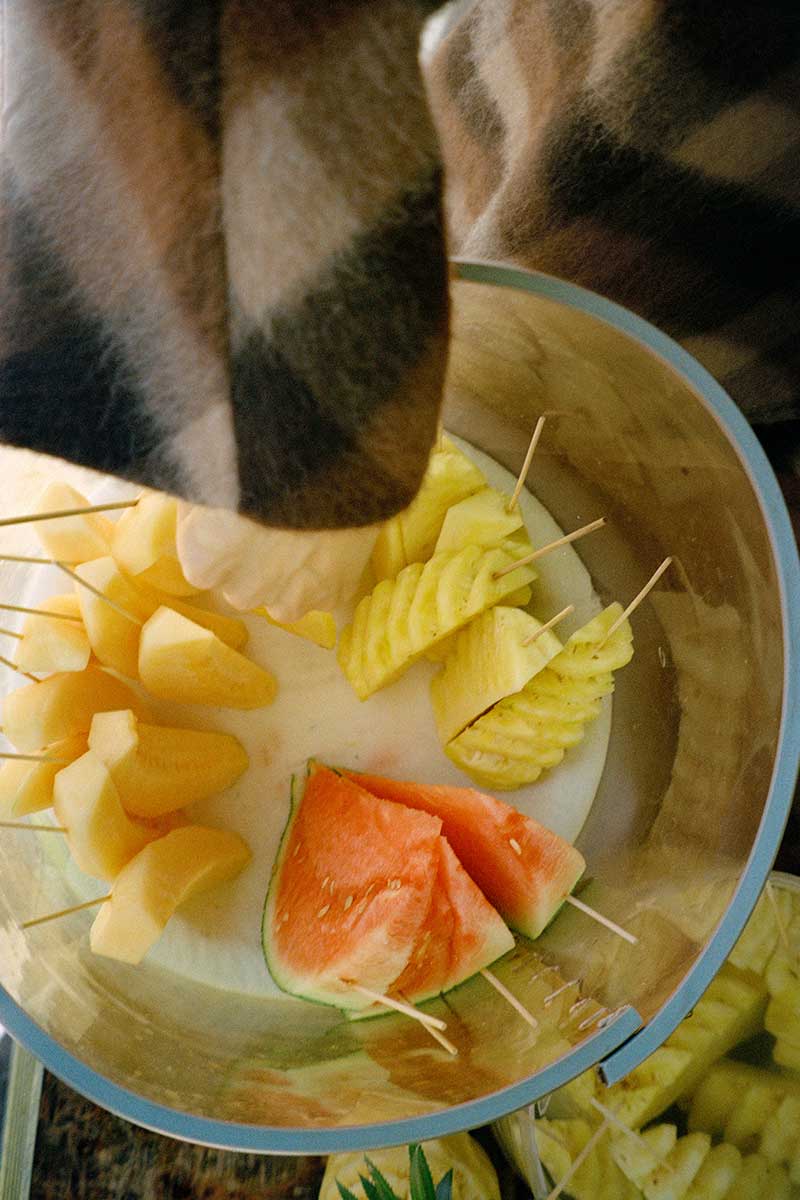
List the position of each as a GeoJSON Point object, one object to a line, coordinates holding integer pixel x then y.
{"type": "Point", "coordinates": [39, 612]}
{"type": "Point", "coordinates": [13, 667]}
{"type": "Point", "coordinates": [526, 466]}
{"type": "Point", "coordinates": [34, 828]}
{"type": "Point", "coordinates": [40, 758]}
{"type": "Point", "coordinates": [65, 912]}
{"type": "Point", "coordinates": [637, 600]}
{"type": "Point", "coordinates": [614, 1120]}
{"type": "Point", "coordinates": [579, 1159]}
{"type": "Point", "coordinates": [549, 624]}
{"type": "Point", "coordinates": [29, 518]}
{"type": "Point", "coordinates": [509, 997]}
{"type": "Point", "coordinates": [11, 633]}
{"type": "Point", "coordinates": [400, 1006]}
{"type": "Point", "coordinates": [562, 541]}
{"type": "Point", "coordinates": [596, 916]}
{"type": "Point", "coordinates": [440, 1038]}
{"type": "Point", "coordinates": [54, 562]}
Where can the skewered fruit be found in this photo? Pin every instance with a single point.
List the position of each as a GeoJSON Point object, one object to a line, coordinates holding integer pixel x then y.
{"type": "Point", "coordinates": [598, 1177]}
{"type": "Point", "coordinates": [27, 787]}
{"type": "Point", "coordinates": [316, 627]}
{"type": "Point", "coordinates": [72, 539]}
{"type": "Point", "coordinates": [180, 660]}
{"type": "Point", "coordinates": [719, 1172]}
{"type": "Point", "coordinates": [158, 769]}
{"type": "Point", "coordinates": [482, 519]}
{"type": "Point", "coordinates": [638, 1157]}
{"type": "Point", "coordinates": [101, 837]}
{"type": "Point", "coordinates": [144, 544]}
{"type": "Point", "coordinates": [49, 644]}
{"type": "Point", "coordinates": [157, 881]}
{"type": "Point", "coordinates": [53, 709]}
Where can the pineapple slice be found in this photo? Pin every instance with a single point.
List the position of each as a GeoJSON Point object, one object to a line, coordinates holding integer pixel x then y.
{"type": "Point", "coordinates": [760, 1180]}
{"type": "Point", "coordinates": [726, 1085]}
{"type": "Point", "coordinates": [587, 653]}
{"type": "Point", "coordinates": [750, 1112]}
{"type": "Point", "coordinates": [411, 536]}
{"type": "Point", "coordinates": [780, 1136]}
{"type": "Point", "coordinates": [487, 662]}
{"type": "Point", "coordinates": [144, 545]}
{"type": "Point", "coordinates": [597, 1178]}
{"type": "Point", "coordinates": [316, 627]}
{"type": "Point", "coordinates": [482, 519]}
{"type": "Point", "coordinates": [101, 837]}
{"type": "Point", "coordinates": [156, 769]}
{"type": "Point", "coordinates": [782, 1020]}
{"type": "Point", "coordinates": [637, 1158]}
{"type": "Point", "coordinates": [157, 881]}
{"type": "Point", "coordinates": [180, 660]}
{"type": "Point", "coordinates": [56, 708]}
{"type": "Point", "coordinates": [759, 939]}
{"type": "Point", "coordinates": [786, 1055]}
{"type": "Point", "coordinates": [783, 977]}
{"type": "Point", "coordinates": [27, 787]}
{"type": "Point", "coordinates": [673, 1177]}
{"type": "Point", "coordinates": [424, 605]}
{"type": "Point", "coordinates": [716, 1177]}
{"type": "Point", "coordinates": [72, 539]}
{"type": "Point", "coordinates": [48, 644]}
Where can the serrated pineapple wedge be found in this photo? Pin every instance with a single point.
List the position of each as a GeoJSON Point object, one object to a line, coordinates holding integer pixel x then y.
{"type": "Point", "coordinates": [760, 1180]}
{"type": "Point", "coordinates": [725, 1084]}
{"type": "Point", "coordinates": [180, 660]}
{"type": "Point", "coordinates": [780, 1136]}
{"type": "Point", "coordinates": [672, 1179]}
{"type": "Point", "coordinates": [597, 1178]}
{"type": "Point", "coordinates": [782, 1020]}
{"type": "Point", "coordinates": [587, 652]}
{"type": "Point", "coordinates": [49, 644]}
{"type": "Point", "coordinates": [786, 1055]}
{"type": "Point", "coordinates": [482, 519]}
{"type": "Point", "coordinates": [157, 769]}
{"type": "Point", "coordinates": [638, 1157]}
{"type": "Point", "coordinates": [101, 836]}
{"type": "Point", "coordinates": [27, 787]}
{"type": "Point", "coordinates": [56, 708]}
{"type": "Point", "coordinates": [649, 1088]}
{"type": "Point", "coordinates": [144, 544]}
{"type": "Point", "coordinates": [760, 937]}
{"type": "Point", "coordinates": [72, 539]}
{"type": "Point", "coordinates": [157, 881]}
{"type": "Point", "coordinates": [411, 536]}
{"type": "Point", "coordinates": [488, 661]}
{"type": "Point", "coordinates": [437, 599]}
{"type": "Point", "coordinates": [716, 1177]}
{"type": "Point", "coordinates": [783, 976]}
{"type": "Point", "coordinates": [316, 627]}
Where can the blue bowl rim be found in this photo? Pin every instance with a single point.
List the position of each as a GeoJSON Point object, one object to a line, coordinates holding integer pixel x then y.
{"type": "Point", "coordinates": [619, 1046]}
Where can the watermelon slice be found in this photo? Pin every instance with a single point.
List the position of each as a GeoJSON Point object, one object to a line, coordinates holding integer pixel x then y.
{"type": "Point", "coordinates": [522, 868]}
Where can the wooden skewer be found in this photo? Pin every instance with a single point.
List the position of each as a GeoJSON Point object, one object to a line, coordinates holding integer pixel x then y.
{"type": "Point", "coordinates": [65, 912]}
{"type": "Point", "coordinates": [54, 562]}
{"type": "Point", "coordinates": [440, 1038]}
{"type": "Point", "coordinates": [562, 541]}
{"type": "Point", "coordinates": [35, 828]}
{"type": "Point", "coordinates": [508, 996]}
{"type": "Point", "coordinates": [400, 1006]}
{"type": "Point", "coordinates": [549, 624]}
{"type": "Point", "coordinates": [39, 612]}
{"type": "Point", "coordinates": [782, 931]}
{"type": "Point", "coordinates": [614, 1120]}
{"type": "Point", "coordinates": [11, 633]}
{"type": "Point", "coordinates": [13, 667]}
{"type": "Point", "coordinates": [596, 916]}
{"type": "Point", "coordinates": [579, 1159]}
{"type": "Point", "coordinates": [637, 600]}
{"type": "Point", "coordinates": [526, 465]}
{"type": "Point", "coordinates": [67, 512]}
{"type": "Point", "coordinates": [41, 758]}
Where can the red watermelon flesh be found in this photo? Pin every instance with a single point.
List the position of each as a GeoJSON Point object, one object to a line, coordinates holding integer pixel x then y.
{"type": "Point", "coordinates": [523, 869]}
{"type": "Point", "coordinates": [351, 888]}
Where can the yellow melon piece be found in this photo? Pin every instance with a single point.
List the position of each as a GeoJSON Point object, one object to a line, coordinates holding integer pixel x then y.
{"type": "Point", "coordinates": [101, 837]}
{"type": "Point", "coordinates": [157, 769]}
{"type": "Point", "coordinates": [49, 644]}
{"type": "Point", "coordinates": [488, 661]}
{"type": "Point", "coordinates": [316, 627]}
{"type": "Point", "coordinates": [72, 539]}
{"type": "Point", "coordinates": [144, 545]}
{"type": "Point", "coordinates": [53, 709]}
{"type": "Point", "coordinates": [157, 881]}
{"type": "Point", "coordinates": [27, 787]}
{"type": "Point", "coordinates": [482, 519]}
{"type": "Point", "coordinates": [180, 660]}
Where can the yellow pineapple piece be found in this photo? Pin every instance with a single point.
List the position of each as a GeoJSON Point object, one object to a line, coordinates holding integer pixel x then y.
{"type": "Point", "coordinates": [482, 519]}
{"type": "Point", "coordinates": [56, 708]}
{"type": "Point", "coordinates": [760, 1180]}
{"type": "Point", "coordinates": [49, 644]}
{"type": "Point", "coordinates": [642, 1094]}
{"type": "Point", "coordinates": [749, 1114]}
{"type": "Point", "coordinates": [597, 1178]}
{"type": "Point", "coordinates": [727, 1085]}
{"type": "Point", "coordinates": [587, 652]}
{"type": "Point", "coordinates": [786, 1055]}
{"type": "Point", "coordinates": [487, 662]}
{"type": "Point", "coordinates": [780, 1136]}
{"type": "Point", "coordinates": [672, 1179]}
{"type": "Point", "coordinates": [316, 627]}
{"type": "Point", "coordinates": [180, 660]}
{"type": "Point", "coordinates": [411, 536]}
{"type": "Point", "coordinates": [157, 881]}
{"type": "Point", "coordinates": [27, 787]}
{"type": "Point", "coordinates": [101, 837]}
{"type": "Point", "coordinates": [782, 1020]}
{"type": "Point", "coordinates": [638, 1157]}
{"type": "Point", "coordinates": [72, 539]}
{"type": "Point", "coordinates": [144, 545]}
{"type": "Point", "coordinates": [759, 938]}
{"type": "Point", "coordinates": [783, 976]}
{"type": "Point", "coordinates": [716, 1177]}
{"type": "Point", "coordinates": [157, 769]}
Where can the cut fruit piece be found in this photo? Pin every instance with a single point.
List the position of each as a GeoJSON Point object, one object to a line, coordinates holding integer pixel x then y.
{"type": "Point", "coordinates": [716, 1177]}
{"type": "Point", "coordinates": [55, 708]}
{"type": "Point", "coordinates": [334, 910]}
{"type": "Point", "coordinates": [759, 1180]}
{"type": "Point", "coordinates": [316, 627]}
{"type": "Point", "coordinates": [782, 1020]}
{"type": "Point", "coordinates": [144, 545]}
{"type": "Point", "coordinates": [72, 539]}
{"type": "Point", "coordinates": [482, 519]}
{"type": "Point", "coordinates": [157, 881]}
{"type": "Point", "coordinates": [786, 1055]}
{"type": "Point", "coordinates": [27, 787]}
{"type": "Point", "coordinates": [590, 651]}
{"type": "Point", "coordinates": [488, 661]}
{"type": "Point", "coordinates": [523, 869]}
{"type": "Point", "coordinates": [640, 1097]}
{"type": "Point", "coordinates": [780, 1137]}
{"type": "Point", "coordinates": [598, 1177]}
{"type": "Point", "coordinates": [638, 1157]}
{"type": "Point", "coordinates": [749, 1114]}
{"type": "Point", "coordinates": [725, 1086]}
{"type": "Point", "coordinates": [48, 644]}
{"type": "Point", "coordinates": [411, 536]}
{"type": "Point", "coordinates": [783, 976]}
{"type": "Point", "coordinates": [101, 837]}
{"type": "Point", "coordinates": [179, 660]}
{"type": "Point", "coordinates": [672, 1179]}
{"type": "Point", "coordinates": [439, 598]}
{"type": "Point", "coordinates": [759, 940]}
{"type": "Point", "coordinates": [157, 769]}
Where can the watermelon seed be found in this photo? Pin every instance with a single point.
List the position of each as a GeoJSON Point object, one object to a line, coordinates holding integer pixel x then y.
{"type": "Point", "coordinates": [515, 846]}
{"type": "Point", "coordinates": [325, 882]}
{"type": "Point", "coordinates": [331, 887]}
{"type": "Point", "coordinates": [296, 851]}
{"type": "Point", "coordinates": [325, 908]}
{"type": "Point", "coordinates": [361, 906]}
{"type": "Point", "coordinates": [394, 885]}
{"type": "Point", "coordinates": [347, 902]}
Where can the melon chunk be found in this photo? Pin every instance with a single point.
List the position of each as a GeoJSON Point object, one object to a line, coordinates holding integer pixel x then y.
{"type": "Point", "coordinates": [49, 644]}
{"type": "Point", "coordinates": [72, 539]}
{"type": "Point", "coordinates": [180, 660]}
{"type": "Point", "coordinates": [144, 545]}
{"type": "Point", "coordinates": [316, 627]}
{"type": "Point", "coordinates": [27, 787]}
{"type": "Point", "coordinates": [482, 519]}
{"type": "Point", "coordinates": [488, 661]}
{"type": "Point", "coordinates": [101, 837]}
{"type": "Point", "coordinates": [157, 881]}
{"type": "Point", "coordinates": [158, 769]}
{"type": "Point", "coordinates": [53, 709]}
